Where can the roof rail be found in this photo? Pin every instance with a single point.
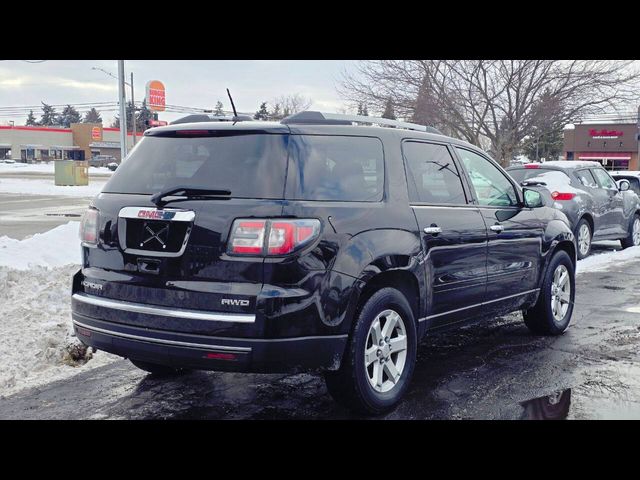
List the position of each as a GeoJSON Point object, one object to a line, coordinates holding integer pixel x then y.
{"type": "Point", "coordinates": [203, 117]}
{"type": "Point", "coordinates": [321, 118]}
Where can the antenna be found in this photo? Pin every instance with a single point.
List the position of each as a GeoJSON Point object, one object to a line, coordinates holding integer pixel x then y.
{"type": "Point", "coordinates": [235, 114]}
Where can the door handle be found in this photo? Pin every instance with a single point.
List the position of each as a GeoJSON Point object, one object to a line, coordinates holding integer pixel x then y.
{"type": "Point", "coordinates": [496, 228]}
{"type": "Point", "coordinates": [433, 230]}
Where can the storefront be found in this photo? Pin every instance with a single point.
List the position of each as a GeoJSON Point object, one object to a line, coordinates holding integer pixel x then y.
{"type": "Point", "coordinates": [40, 144]}
{"type": "Point", "coordinates": [614, 145]}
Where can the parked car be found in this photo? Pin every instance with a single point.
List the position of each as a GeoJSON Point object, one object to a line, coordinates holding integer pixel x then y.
{"type": "Point", "coordinates": [633, 177]}
{"type": "Point", "coordinates": [597, 207]}
{"type": "Point", "coordinates": [112, 166]}
{"type": "Point", "coordinates": [312, 244]}
{"type": "Point", "coordinates": [101, 160]}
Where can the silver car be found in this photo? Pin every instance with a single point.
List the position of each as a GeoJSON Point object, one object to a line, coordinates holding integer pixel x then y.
{"type": "Point", "coordinates": [597, 207]}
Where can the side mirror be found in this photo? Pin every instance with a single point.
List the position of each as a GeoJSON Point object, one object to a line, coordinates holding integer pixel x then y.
{"type": "Point", "coordinates": [623, 185]}
{"type": "Point", "coordinates": [532, 198]}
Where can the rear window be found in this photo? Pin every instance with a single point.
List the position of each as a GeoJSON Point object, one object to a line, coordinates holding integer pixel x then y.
{"type": "Point", "coordinates": [339, 168]}
{"type": "Point", "coordinates": [522, 174]}
{"type": "Point", "coordinates": [249, 165]}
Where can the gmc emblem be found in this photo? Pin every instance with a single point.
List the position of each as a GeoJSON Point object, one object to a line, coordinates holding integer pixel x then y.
{"type": "Point", "coordinates": [234, 302]}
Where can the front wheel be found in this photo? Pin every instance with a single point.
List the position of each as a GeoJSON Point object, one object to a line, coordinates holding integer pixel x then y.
{"type": "Point", "coordinates": [633, 239]}
{"type": "Point", "coordinates": [380, 358]}
{"type": "Point", "coordinates": [552, 312]}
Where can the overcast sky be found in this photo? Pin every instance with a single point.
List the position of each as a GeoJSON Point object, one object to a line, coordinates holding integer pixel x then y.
{"type": "Point", "coordinates": [187, 82]}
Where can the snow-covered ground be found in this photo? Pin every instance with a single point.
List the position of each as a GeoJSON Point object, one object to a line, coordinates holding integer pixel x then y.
{"type": "Point", "coordinates": [40, 186]}
{"type": "Point", "coordinates": [46, 167]}
{"type": "Point", "coordinates": [37, 342]}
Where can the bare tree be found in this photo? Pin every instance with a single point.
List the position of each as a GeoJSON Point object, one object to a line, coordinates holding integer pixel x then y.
{"type": "Point", "coordinates": [495, 104]}
{"type": "Point", "coordinates": [286, 105]}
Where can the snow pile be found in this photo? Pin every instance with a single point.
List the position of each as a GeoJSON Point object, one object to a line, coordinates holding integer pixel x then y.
{"type": "Point", "coordinates": [38, 345]}
{"type": "Point", "coordinates": [595, 263]}
{"type": "Point", "coordinates": [39, 186]}
{"type": "Point", "coordinates": [57, 247]}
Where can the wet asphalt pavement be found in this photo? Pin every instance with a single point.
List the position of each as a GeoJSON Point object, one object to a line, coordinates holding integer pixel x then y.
{"type": "Point", "coordinates": [494, 370]}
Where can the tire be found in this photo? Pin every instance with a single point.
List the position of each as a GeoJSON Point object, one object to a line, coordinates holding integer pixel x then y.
{"type": "Point", "coordinates": [351, 385]}
{"type": "Point", "coordinates": [540, 318]}
{"type": "Point", "coordinates": [583, 225]}
{"type": "Point", "coordinates": [633, 239]}
{"type": "Point", "coordinates": [157, 370]}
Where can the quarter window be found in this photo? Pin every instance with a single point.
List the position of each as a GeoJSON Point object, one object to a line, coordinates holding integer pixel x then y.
{"type": "Point", "coordinates": [491, 185]}
{"type": "Point", "coordinates": [432, 174]}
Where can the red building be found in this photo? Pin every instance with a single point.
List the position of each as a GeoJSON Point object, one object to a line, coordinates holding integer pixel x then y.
{"type": "Point", "coordinates": [614, 145]}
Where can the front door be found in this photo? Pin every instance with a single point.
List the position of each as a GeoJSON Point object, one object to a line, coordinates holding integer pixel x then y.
{"type": "Point", "coordinates": [454, 236]}
{"type": "Point", "coordinates": [515, 233]}
{"type": "Point", "coordinates": [612, 203]}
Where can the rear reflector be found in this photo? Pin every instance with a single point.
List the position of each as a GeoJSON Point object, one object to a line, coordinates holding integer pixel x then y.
{"type": "Point", "coordinates": [83, 331]}
{"type": "Point", "coordinates": [562, 196]}
{"type": "Point", "coordinates": [220, 356]}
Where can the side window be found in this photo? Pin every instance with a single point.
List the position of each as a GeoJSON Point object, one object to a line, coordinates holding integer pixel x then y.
{"type": "Point", "coordinates": [604, 179]}
{"type": "Point", "coordinates": [339, 168]}
{"type": "Point", "coordinates": [432, 176]}
{"type": "Point", "coordinates": [491, 185]}
{"type": "Point", "coordinates": [586, 178]}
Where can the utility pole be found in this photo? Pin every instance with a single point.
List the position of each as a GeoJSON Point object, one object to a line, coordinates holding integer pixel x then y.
{"type": "Point", "coordinates": [123, 111]}
{"type": "Point", "coordinates": [133, 113]}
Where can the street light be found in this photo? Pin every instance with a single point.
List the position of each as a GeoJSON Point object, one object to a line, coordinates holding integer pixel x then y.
{"type": "Point", "coordinates": [133, 109]}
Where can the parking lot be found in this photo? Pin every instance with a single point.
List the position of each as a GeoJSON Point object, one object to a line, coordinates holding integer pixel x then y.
{"type": "Point", "coordinates": [493, 370]}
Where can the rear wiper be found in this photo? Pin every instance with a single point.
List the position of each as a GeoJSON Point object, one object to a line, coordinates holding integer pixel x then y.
{"type": "Point", "coordinates": [531, 183]}
{"type": "Point", "coordinates": [187, 193]}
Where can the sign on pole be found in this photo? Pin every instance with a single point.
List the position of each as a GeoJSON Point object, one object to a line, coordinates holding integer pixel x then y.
{"type": "Point", "coordinates": [155, 96]}
{"type": "Point", "coordinates": [96, 133]}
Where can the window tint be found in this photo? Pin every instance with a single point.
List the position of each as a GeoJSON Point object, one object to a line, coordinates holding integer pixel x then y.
{"type": "Point", "coordinates": [432, 176]}
{"type": "Point", "coordinates": [338, 168]}
{"type": "Point", "coordinates": [586, 178]}
{"type": "Point", "coordinates": [604, 179]}
{"type": "Point", "coordinates": [491, 186]}
{"type": "Point", "coordinates": [250, 166]}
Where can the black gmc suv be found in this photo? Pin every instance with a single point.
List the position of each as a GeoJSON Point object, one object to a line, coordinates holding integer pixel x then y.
{"type": "Point", "coordinates": [312, 244]}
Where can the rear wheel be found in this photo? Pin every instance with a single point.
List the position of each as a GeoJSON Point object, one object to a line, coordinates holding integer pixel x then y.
{"type": "Point", "coordinates": [157, 370]}
{"type": "Point", "coordinates": [552, 312]}
{"type": "Point", "coordinates": [583, 236]}
{"type": "Point", "coordinates": [379, 362]}
{"type": "Point", "coordinates": [633, 239]}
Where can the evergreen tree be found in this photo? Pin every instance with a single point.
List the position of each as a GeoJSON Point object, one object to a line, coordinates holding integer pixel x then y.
{"type": "Point", "coordinates": [360, 108]}
{"type": "Point", "coordinates": [31, 119]}
{"type": "Point", "coordinates": [92, 116]}
{"type": "Point", "coordinates": [219, 109]}
{"type": "Point", "coordinates": [49, 116]}
{"type": "Point", "coordinates": [388, 111]}
{"type": "Point", "coordinates": [142, 114]}
{"type": "Point", "coordinates": [263, 113]}
{"type": "Point", "coordinates": [365, 110]}
{"type": "Point", "coordinates": [68, 116]}
{"type": "Point", "coordinates": [275, 113]}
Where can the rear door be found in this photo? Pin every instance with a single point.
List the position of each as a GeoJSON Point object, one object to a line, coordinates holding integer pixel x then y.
{"type": "Point", "coordinates": [514, 233]}
{"type": "Point", "coordinates": [453, 232]}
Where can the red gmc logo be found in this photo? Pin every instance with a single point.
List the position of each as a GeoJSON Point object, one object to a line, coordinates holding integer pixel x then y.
{"type": "Point", "coordinates": [151, 214]}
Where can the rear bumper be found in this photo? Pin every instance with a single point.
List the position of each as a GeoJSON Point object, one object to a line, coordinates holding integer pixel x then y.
{"type": "Point", "coordinates": [258, 355]}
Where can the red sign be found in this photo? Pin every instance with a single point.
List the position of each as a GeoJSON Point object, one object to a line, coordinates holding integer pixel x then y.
{"type": "Point", "coordinates": [96, 134]}
{"type": "Point", "coordinates": [155, 95]}
{"type": "Point", "coordinates": [605, 133]}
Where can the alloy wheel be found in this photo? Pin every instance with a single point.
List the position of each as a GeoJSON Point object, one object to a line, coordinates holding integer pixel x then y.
{"type": "Point", "coordinates": [635, 231]}
{"type": "Point", "coordinates": [560, 293]}
{"type": "Point", "coordinates": [385, 352]}
{"type": "Point", "coordinates": [584, 239]}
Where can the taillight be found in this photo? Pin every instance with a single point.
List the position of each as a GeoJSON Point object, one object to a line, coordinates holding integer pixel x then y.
{"type": "Point", "coordinates": [562, 196]}
{"type": "Point", "coordinates": [89, 227]}
{"type": "Point", "coordinates": [271, 237]}
{"type": "Point", "coordinates": [532, 165]}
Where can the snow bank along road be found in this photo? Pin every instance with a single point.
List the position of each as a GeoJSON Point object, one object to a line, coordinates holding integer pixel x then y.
{"type": "Point", "coordinates": [37, 344]}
